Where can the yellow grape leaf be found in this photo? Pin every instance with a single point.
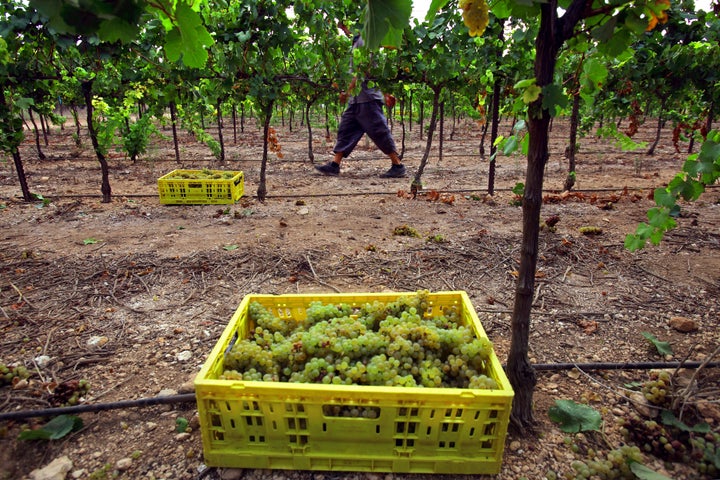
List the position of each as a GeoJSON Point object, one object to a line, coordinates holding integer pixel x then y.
{"type": "Point", "coordinates": [531, 94]}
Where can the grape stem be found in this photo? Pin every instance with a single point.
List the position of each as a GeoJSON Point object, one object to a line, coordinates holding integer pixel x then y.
{"type": "Point", "coordinates": [685, 394]}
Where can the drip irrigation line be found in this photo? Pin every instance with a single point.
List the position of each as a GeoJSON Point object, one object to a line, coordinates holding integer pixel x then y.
{"type": "Point", "coordinates": [622, 366]}
{"type": "Point", "coordinates": [354, 194]}
{"type": "Point", "coordinates": [190, 397]}
{"type": "Point", "coordinates": [98, 407]}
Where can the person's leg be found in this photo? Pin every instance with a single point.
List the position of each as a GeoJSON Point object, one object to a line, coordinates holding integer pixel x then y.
{"type": "Point", "coordinates": [349, 134]}
{"type": "Point", "coordinates": [374, 123]}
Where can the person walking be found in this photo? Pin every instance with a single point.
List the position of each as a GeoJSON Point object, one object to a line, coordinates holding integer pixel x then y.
{"type": "Point", "coordinates": [364, 115]}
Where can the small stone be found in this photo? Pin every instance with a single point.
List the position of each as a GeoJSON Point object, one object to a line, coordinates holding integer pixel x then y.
{"type": "Point", "coordinates": [97, 341]}
{"type": "Point", "coordinates": [181, 437]}
{"type": "Point", "coordinates": [642, 406]}
{"type": "Point", "coordinates": [43, 361]}
{"type": "Point", "coordinates": [183, 356]}
{"type": "Point", "coordinates": [304, 211]}
{"type": "Point", "coordinates": [231, 473]}
{"type": "Point", "coordinates": [188, 386]}
{"type": "Point", "coordinates": [78, 473]}
{"type": "Point", "coordinates": [683, 324]}
{"type": "Point", "coordinates": [167, 392]}
{"type": "Point", "coordinates": [123, 464]}
{"type": "Point", "coordinates": [574, 373]}
{"type": "Point", "coordinates": [194, 422]}
{"type": "Point", "coordinates": [20, 384]}
{"type": "Point", "coordinates": [515, 445]}
{"type": "Point", "coordinates": [55, 470]}
{"type": "Point", "coordinates": [709, 411]}
{"type": "Point", "coordinates": [151, 426]}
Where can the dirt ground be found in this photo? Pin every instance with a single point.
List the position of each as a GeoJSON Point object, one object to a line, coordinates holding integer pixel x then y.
{"type": "Point", "coordinates": [132, 295]}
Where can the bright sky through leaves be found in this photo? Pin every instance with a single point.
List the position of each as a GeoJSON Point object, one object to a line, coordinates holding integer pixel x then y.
{"type": "Point", "coordinates": [420, 7]}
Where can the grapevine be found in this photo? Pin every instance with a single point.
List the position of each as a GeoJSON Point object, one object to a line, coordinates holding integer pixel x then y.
{"type": "Point", "coordinates": [379, 344]}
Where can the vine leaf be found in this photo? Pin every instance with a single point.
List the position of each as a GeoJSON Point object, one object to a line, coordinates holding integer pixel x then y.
{"type": "Point", "coordinates": [668, 418]}
{"type": "Point", "coordinates": [663, 348]}
{"type": "Point", "coordinates": [56, 428]}
{"type": "Point", "coordinates": [574, 417]}
{"type": "Point", "coordinates": [382, 19]}
{"type": "Point", "coordinates": [188, 39]}
{"type": "Point", "coordinates": [644, 473]}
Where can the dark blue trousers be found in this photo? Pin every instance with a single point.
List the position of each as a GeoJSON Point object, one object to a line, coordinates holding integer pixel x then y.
{"type": "Point", "coordinates": [364, 118]}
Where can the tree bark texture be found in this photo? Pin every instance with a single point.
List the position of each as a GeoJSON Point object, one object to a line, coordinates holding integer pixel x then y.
{"type": "Point", "coordinates": [417, 183]}
{"type": "Point", "coordinates": [105, 187]}
{"type": "Point", "coordinates": [221, 140]}
{"type": "Point", "coordinates": [173, 121]}
{"type": "Point", "coordinates": [572, 147]}
{"type": "Point", "coordinates": [262, 185]}
{"type": "Point", "coordinates": [551, 36]}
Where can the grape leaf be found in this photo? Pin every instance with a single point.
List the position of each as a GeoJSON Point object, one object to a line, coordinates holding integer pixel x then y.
{"type": "Point", "coordinates": [574, 417]}
{"type": "Point", "coordinates": [553, 96]}
{"type": "Point", "coordinates": [644, 473]}
{"type": "Point", "coordinates": [663, 348]}
{"type": "Point", "coordinates": [604, 32]}
{"type": "Point", "coordinates": [56, 428]}
{"type": "Point", "coordinates": [435, 5]}
{"type": "Point", "coordinates": [382, 16]}
{"type": "Point", "coordinates": [188, 39]}
{"type": "Point", "coordinates": [531, 94]}
{"type": "Point", "coordinates": [668, 418]}
{"type": "Point", "coordinates": [117, 29]}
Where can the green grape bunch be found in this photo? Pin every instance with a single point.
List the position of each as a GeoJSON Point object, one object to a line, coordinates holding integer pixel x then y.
{"type": "Point", "coordinates": [395, 344]}
{"type": "Point", "coordinates": [475, 15]}
{"type": "Point", "coordinates": [9, 374]}
{"type": "Point", "coordinates": [658, 388]}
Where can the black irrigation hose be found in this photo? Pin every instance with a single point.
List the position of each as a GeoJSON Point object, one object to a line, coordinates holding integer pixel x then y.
{"type": "Point", "coordinates": [622, 366]}
{"type": "Point", "coordinates": [141, 402]}
{"type": "Point", "coordinates": [190, 397]}
{"type": "Point", "coordinates": [347, 194]}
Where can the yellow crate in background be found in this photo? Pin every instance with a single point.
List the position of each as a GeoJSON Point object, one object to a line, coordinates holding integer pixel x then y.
{"type": "Point", "coordinates": [201, 187]}
{"type": "Point", "coordinates": [280, 425]}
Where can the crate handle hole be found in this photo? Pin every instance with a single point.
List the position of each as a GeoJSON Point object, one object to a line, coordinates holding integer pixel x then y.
{"type": "Point", "coordinates": [215, 421]}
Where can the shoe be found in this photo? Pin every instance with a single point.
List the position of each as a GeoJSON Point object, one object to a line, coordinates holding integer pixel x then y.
{"type": "Point", "coordinates": [330, 168]}
{"type": "Point", "coordinates": [396, 171]}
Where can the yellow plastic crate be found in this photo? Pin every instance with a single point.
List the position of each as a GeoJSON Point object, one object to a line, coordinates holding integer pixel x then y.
{"type": "Point", "coordinates": [189, 188]}
{"type": "Point", "coordinates": [279, 425]}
